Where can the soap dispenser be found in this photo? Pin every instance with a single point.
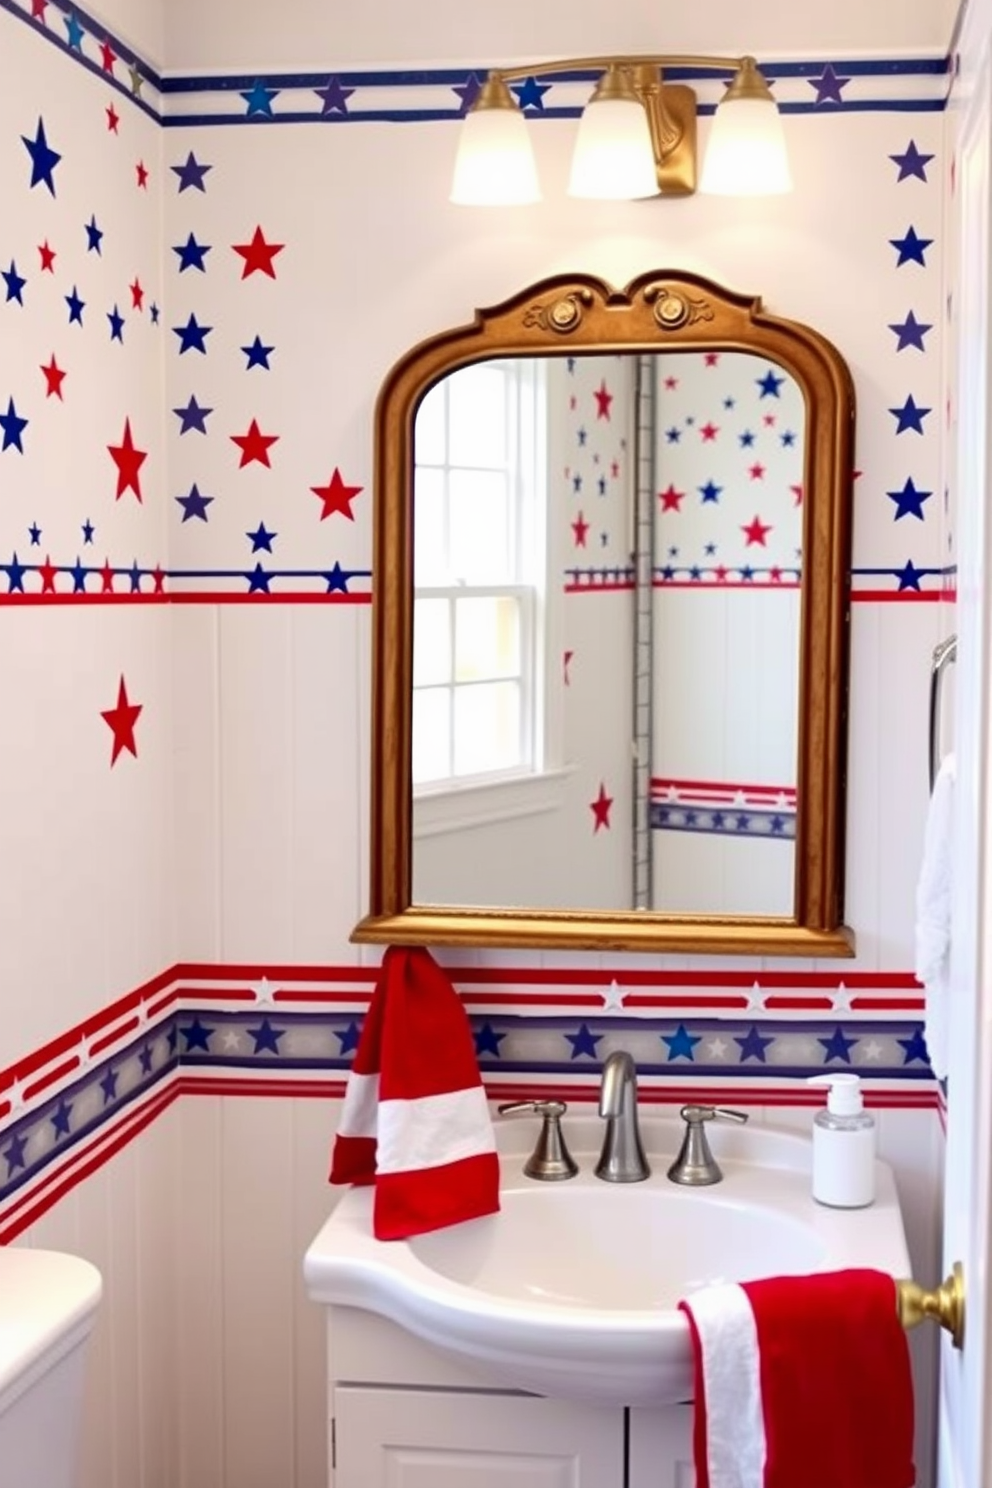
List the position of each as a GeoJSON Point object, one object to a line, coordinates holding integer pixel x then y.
{"type": "Point", "coordinates": [843, 1145]}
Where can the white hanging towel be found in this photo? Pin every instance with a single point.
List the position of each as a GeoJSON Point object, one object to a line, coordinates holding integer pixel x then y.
{"type": "Point", "coordinates": [933, 914]}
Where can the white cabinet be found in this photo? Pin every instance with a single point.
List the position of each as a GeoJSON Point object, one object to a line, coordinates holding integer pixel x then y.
{"type": "Point", "coordinates": [440, 1439]}
{"type": "Point", "coordinates": [660, 1451]}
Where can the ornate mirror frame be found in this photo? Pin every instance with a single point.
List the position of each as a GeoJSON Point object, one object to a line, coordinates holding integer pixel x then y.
{"type": "Point", "coordinates": [576, 314]}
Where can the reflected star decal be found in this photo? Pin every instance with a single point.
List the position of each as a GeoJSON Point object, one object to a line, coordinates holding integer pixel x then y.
{"type": "Point", "coordinates": [601, 809]}
{"type": "Point", "coordinates": [603, 400]}
{"type": "Point", "coordinates": [769, 385]}
{"type": "Point", "coordinates": [837, 1046]}
{"type": "Point", "coordinates": [580, 528]}
{"type": "Point", "coordinates": [671, 500]}
{"type": "Point", "coordinates": [266, 1037]}
{"type": "Point", "coordinates": [43, 158]}
{"type": "Point", "coordinates": [753, 1045]}
{"type": "Point", "coordinates": [914, 1047]}
{"type": "Point", "coordinates": [121, 721]}
{"type": "Point", "coordinates": [681, 1043]}
{"type": "Point", "coordinates": [756, 532]}
{"type": "Point", "coordinates": [336, 497]}
{"type": "Point", "coordinates": [584, 1042]}
{"type": "Point", "coordinates": [487, 1040]}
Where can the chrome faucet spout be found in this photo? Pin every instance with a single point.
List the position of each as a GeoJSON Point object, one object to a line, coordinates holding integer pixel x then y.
{"type": "Point", "coordinates": [622, 1159]}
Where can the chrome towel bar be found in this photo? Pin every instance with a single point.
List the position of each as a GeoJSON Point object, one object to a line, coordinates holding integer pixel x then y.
{"type": "Point", "coordinates": [942, 657]}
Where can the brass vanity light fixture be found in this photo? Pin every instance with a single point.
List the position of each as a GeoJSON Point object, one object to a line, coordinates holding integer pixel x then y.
{"type": "Point", "coordinates": [636, 136]}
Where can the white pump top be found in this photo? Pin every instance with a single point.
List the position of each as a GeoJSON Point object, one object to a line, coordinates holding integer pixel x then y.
{"type": "Point", "coordinates": [844, 1098]}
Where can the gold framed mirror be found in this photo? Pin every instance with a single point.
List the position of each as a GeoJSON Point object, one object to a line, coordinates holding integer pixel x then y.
{"type": "Point", "coordinates": [716, 668]}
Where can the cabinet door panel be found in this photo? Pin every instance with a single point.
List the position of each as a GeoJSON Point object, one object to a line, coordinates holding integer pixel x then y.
{"type": "Point", "coordinates": [441, 1439]}
{"type": "Point", "coordinates": [661, 1448]}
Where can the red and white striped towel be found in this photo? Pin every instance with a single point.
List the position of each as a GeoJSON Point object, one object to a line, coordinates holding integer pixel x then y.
{"type": "Point", "coordinates": [801, 1382]}
{"type": "Point", "coordinates": [415, 1120]}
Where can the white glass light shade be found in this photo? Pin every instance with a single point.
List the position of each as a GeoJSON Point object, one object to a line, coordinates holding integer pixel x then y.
{"type": "Point", "coordinates": [746, 154]}
{"type": "Point", "coordinates": [613, 158]}
{"type": "Point", "coordinates": [495, 162]}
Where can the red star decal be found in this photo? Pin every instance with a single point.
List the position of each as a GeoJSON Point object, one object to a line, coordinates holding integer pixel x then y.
{"type": "Point", "coordinates": [258, 255]}
{"type": "Point", "coordinates": [756, 531]}
{"type": "Point", "coordinates": [709, 432]}
{"type": "Point", "coordinates": [756, 471]}
{"type": "Point", "coordinates": [769, 420]}
{"type": "Point", "coordinates": [141, 171]}
{"type": "Point", "coordinates": [615, 469]}
{"type": "Point", "coordinates": [137, 295]}
{"type": "Point", "coordinates": [121, 721]}
{"type": "Point", "coordinates": [710, 358]}
{"type": "Point", "coordinates": [128, 461]}
{"type": "Point", "coordinates": [775, 574]}
{"type": "Point", "coordinates": [797, 492]}
{"type": "Point", "coordinates": [566, 662]}
{"type": "Point", "coordinates": [47, 257]}
{"type": "Point", "coordinates": [572, 403]}
{"type": "Point", "coordinates": [53, 375]}
{"type": "Point", "coordinates": [603, 400]}
{"type": "Point", "coordinates": [107, 578]}
{"type": "Point", "coordinates": [671, 383]}
{"type": "Point", "coordinates": [579, 528]}
{"type": "Point", "coordinates": [954, 171]}
{"type": "Point", "coordinates": [158, 579]}
{"type": "Point", "coordinates": [113, 118]}
{"type": "Point", "coordinates": [720, 574]}
{"type": "Point", "coordinates": [336, 496]}
{"type": "Point", "coordinates": [47, 570]}
{"type": "Point", "coordinates": [107, 57]}
{"type": "Point", "coordinates": [671, 499]}
{"type": "Point", "coordinates": [38, 10]}
{"type": "Point", "coordinates": [254, 445]}
{"type": "Point", "coordinates": [600, 809]}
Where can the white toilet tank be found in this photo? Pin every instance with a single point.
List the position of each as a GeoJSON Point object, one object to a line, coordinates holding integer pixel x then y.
{"type": "Point", "coordinates": [47, 1305]}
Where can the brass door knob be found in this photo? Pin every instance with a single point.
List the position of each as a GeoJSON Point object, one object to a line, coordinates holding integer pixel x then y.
{"type": "Point", "coordinates": [945, 1304]}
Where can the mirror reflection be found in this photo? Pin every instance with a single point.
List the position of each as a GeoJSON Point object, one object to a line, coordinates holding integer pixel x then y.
{"type": "Point", "coordinates": [607, 566]}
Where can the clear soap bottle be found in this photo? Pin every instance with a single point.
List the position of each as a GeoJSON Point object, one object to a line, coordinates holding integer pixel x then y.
{"type": "Point", "coordinates": [843, 1145]}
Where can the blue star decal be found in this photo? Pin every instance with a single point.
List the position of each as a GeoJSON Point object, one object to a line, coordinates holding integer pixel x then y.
{"type": "Point", "coordinates": [261, 540]}
{"type": "Point", "coordinates": [191, 174]}
{"type": "Point", "coordinates": [530, 94]}
{"type": "Point", "coordinates": [191, 254]}
{"type": "Point", "coordinates": [15, 1154]}
{"type": "Point", "coordinates": [257, 354]}
{"type": "Point", "coordinates": [87, 530]}
{"type": "Point", "coordinates": [787, 439]}
{"type": "Point", "coordinates": [153, 312]}
{"type": "Point", "coordinates": [13, 427]}
{"type": "Point", "coordinates": [583, 1042]}
{"type": "Point", "coordinates": [145, 1058]}
{"type": "Point", "coordinates": [753, 1045]}
{"type": "Point", "coordinates": [746, 439]}
{"type": "Point", "coordinates": [828, 86]}
{"type": "Point", "coordinates": [34, 532]}
{"type": "Point", "coordinates": [487, 1040]}
{"type": "Point", "coordinates": [116, 325]}
{"type": "Point", "coordinates": [60, 1120]}
{"type": "Point", "coordinates": [43, 158]}
{"type": "Point", "coordinates": [769, 385]}
{"type": "Point", "coordinates": [681, 1043]}
{"type": "Point", "coordinates": [909, 501]}
{"type": "Point", "coordinates": [259, 100]}
{"type": "Point", "coordinates": [192, 417]}
{"type": "Point", "coordinates": [258, 580]}
{"type": "Point", "coordinates": [74, 32]}
{"type": "Point", "coordinates": [911, 248]}
{"type": "Point", "coordinates": [468, 91]}
{"type": "Point", "coordinates": [337, 580]}
{"type": "Point", "coordinates": [837, 1046]}
{"type": "Point", "coordinates": [266, 1037]}
{"type": "Point", "coordinates": [94, 236]}
{"type": "Point", "coordinates": [909, 577]}
{"type": "Point", "coordinates": [911, 163]}
{"type": "Point", "coordinates": [710, 492]}
{"type": "Point", "coordinates": [14, 282]}
{"type": "Point", "coordinates": [910, 332]}
{"type": "Point", "coordinates": [76, 307]}
{"type": "Point", "coordinates": [348, 1037]}
{"type": "Point", "coordinates": [192, 336]}
{"type": "Point", "coordinates": [197, 1036]}
{"type": "Point", "coordinates": [673, 435]}
{"type": "Point", "coordinates": [109, 1086]}
{"type": "Point", "coordinates": [194, 505]}
{"type": "Point", "coordinates": [334, 97]}
{"type": "Point", "coordinates": [909, 416]}
{"type": "Point", "coordinates": [15, 574]}
{"type": "Point", "coordinates": [747, 574]}
{"type": "Point", "coordinates": [78, 573]}
{"type": "Point", "coordinates": [134, 574]}
{"type": "Point", "coordinates": [914, 1047]}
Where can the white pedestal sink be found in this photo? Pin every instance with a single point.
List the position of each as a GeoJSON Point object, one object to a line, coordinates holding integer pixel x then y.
{"type": "Point", "coordinates": [572, 1289]}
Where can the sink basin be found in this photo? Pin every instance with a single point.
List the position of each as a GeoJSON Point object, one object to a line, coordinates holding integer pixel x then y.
{"type": "Point", "coordinates": [572, 1289]}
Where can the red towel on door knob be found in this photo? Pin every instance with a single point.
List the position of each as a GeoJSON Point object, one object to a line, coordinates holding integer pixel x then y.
{"type": "Point", "coordinates": [801, 1382]}
{"type": "Point", "coordinates": [415, 1120]}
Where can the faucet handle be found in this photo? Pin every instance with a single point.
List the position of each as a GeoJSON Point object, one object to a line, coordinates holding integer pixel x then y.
{"type": "Point", "coordinates": [695, 1165]}
{"type": "Point", "coordinates": [551, 1160]}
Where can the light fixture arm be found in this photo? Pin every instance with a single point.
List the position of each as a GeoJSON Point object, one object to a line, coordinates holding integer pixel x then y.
{"type": "Point", "coordinates": [600, 64]}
